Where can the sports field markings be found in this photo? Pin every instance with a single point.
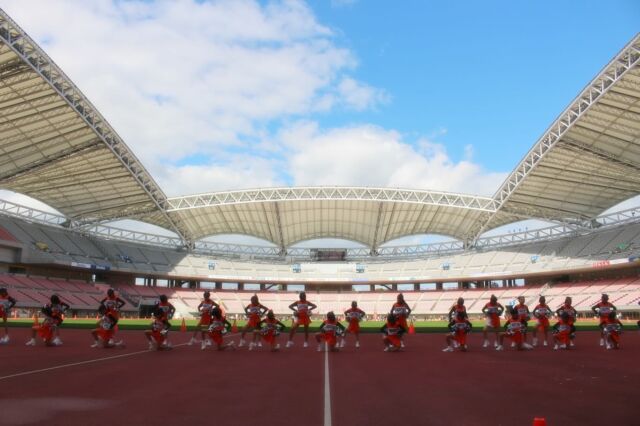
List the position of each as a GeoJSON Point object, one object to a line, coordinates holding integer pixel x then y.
{"type": "Point", "coordinates": [327, 389]}
{"type": "Point", "coordinates": [90, 361]}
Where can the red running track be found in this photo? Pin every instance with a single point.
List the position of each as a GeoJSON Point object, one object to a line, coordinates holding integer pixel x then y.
{"type": "Point", "coordinates": [422, 385]}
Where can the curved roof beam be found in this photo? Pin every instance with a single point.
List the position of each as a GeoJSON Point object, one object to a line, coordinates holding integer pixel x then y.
{"type": "Point", "coordinates": [621, 65]}
{"type": "Point", "coordinates": [35, 59]}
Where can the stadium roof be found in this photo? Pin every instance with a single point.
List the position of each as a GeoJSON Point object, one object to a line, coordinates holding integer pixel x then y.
{"type": "Point", "coordinates": [56, 147]}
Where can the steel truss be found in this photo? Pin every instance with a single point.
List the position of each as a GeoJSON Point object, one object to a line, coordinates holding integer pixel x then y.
{"type": "Point", "coordinates": [26, 49]}
{"type": "Point", "coordinates": [628, 58]}
{"type": "Point", "coordinates": [274, 253]}
{"type": "Point", "coordinates": [332, 193]}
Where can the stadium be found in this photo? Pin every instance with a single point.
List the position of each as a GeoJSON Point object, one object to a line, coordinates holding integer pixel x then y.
{"type": "Point", "coordinates": [57, 148]}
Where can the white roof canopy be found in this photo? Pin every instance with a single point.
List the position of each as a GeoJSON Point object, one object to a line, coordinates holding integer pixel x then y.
{"type": "Point", "coordinates": [56, 147]}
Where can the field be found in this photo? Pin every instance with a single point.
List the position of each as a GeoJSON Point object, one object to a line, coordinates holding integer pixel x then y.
{"type": "Point", "coordinates": [77, 385]}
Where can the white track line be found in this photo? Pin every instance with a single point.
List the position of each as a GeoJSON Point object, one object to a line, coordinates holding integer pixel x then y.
{"type": "Point", "coordinates": [327, 388]}
{"type": "Point", "coordinates": [90, 361]}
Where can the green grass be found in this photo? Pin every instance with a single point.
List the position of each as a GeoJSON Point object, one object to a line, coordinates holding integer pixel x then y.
{"type": "Point", "coordinates": [365, 326]}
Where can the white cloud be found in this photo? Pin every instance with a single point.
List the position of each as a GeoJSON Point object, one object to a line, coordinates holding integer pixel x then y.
{"type": "Point", "coordinates": [371, 156]}
{"type": "Point", "coordinates": [179, 79]}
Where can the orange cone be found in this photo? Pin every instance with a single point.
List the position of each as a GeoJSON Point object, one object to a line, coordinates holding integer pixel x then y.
{"type": "Point", "coordinates": [539, 421]}
{"type": "Point", "coordinates": [412, 328]}
{"type": "Point", "coordinates": [234, 327]}
{"type": "Point", "coordinates": [183, 326]}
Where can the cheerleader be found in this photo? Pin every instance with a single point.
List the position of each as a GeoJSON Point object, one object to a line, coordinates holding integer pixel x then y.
{"type": "Point", "coordinates": [460, 327]}
{"type": "Point", "coordinates": [541, 313]}
{"type": "Point", "coordinates": [106, 330]}
{"type": "Point", "coordinates": [53, 317]}
{"type": "Point", "coordinates": [392, 332]}
{"type": "Point", "coordinates": [302, 313]}
{"type": "Point", "coordinates": [112, 304]}
{"type": "Point", "coordinates": [204, 308]}
{"type": "Point", "coordinates": [492, 311]}
{"type": "Point", "coordinates": [401, 312]}
{"type": "Point", "coordinates": [353, 315]}
{"type": "Point", "coordinates": [254, 312]}
{"type": "Point", "coordinates": [158, 334]}
{"type": "Point", "coordinates": [562, 331]}
{"type": "Point", "coordinates": [270, 328]}
{"type": "Point", "coordinates": [515, 330]}
{"type": "Point", "coordinates": [6, 303]}
{"type": "Point", "coordinates": [612, 329]}
{"type": "Point", "coordinates": [571, 319]}
{"type": "Point", "coordinates": [602, 309]}
{"type": "Point", "coordinates": [218, 328]}
{"type": "Point", "coordinates": [329, 332]}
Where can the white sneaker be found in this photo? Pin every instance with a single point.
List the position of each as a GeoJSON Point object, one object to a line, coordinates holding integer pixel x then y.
{"type": "Point", "coordinates": [485, 344]}
{"type": "Point", "coordinates": [192, 341]}
{"type": "Point", "coordinates": [95, 344]}
{"type": "Point", "coordinates": [601, 342]}
{"type": "Point", "coordinates": [570, 344]}
{"type": "Point", "coordinates": [31, 342]}
{"type": "Point", "coordinates": [456, 344]}
{"type": "Point", "coordinates": [251, 345]}
{"type": "Point", "coordinates": [535, 342]}
{"type": "Point", "coordinates": [499, 348]}
{"type": "Point", "coordinates": [527, 346]}
{"type": "Point", "coordinates": [57, 341]}
{"type": "Point", "coordinates": [259, 344]}
{"type": "Point", "coordinates": [342, 344]}
{"type": "Point", "coordinates": [402, 344]}
{"type": "Point", "coordinates": [5, 339]}
{"type": "Point", "coordinates": [495, 344]}
{"type": "Point", "coordinates": [277, 347]}
{"type": "Point", "coordinates": [241, 343]}
{"type": "Point", "coordinates": [203, 345]}
{"type": "Point", "coordinates": [513, 344]}
{"type": "Point", "coordinates": [448, 349]}
{"type": "Point", "coordinates": [544, 343]}
{"type": "Point", "coordinates": [357, 344]}
{"type": "Point", "coordinates": [556, 347]}
{"type": "Point", "coordinates": [289, 344]}
{"type": "Point", "coordinates": [563, 346]}
{"type": "Point", "coordinates": [609, 346]}
{"type": "Point", "coordinates": [319, 348]}
{"type": "Point", "coordinates": [151, 345]}
{"type": "Point", "coordinates": [306, 345]}
{"type": "Point", "coordinates": [387, 348]}
{"type": "Point", "coordinates": [120, 344]}
{"type": "Point", "coordinates": [208, 342]}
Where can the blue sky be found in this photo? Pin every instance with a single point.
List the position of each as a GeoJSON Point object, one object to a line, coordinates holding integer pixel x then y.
{"type": "Point", "coordinates": [494, 74]}
{"type": "Point", "coordinates": [238, 94]}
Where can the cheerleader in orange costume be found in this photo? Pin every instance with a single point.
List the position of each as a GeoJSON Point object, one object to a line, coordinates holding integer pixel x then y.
{"type": "Point", "coordinates": [515, 330]}
{"type": "Point", "coordinates": [612, 329]}
{"type": "Point", "coordinates": [53, 318]}
{"type": "Point", "coordinates": [254, 312]}
{"type": "Point", "coordinates": [329, 332]}
{"type": "Point", "coordinates": [492, 311]}
{"type": "Point", "coordinates": [157, 335]}
{"type": "Point", "coordinates": [302, 312]}
{"type": "Point", "coordinates": [270, 328]}
{"type": "Point", "coordinates": [392, 334]}
{"type": "Point", "coordinates": [105, 332]}
{"type": "Point", "coordinates": [204, 308]}
{"type": "Point", "coordinates": [541, 313]}
{"type": "Point", "coordinates": [460, 327]}
{"type": "Point", "coordinates": [353, 315]}
{"type": "Point", "coordinates": [218, 328]}
{"type": "Point", "coordinates": [562, 331]}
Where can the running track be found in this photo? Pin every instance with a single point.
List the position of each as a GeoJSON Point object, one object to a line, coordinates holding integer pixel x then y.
{"type": "Point", "coordinates": [366, 387]}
